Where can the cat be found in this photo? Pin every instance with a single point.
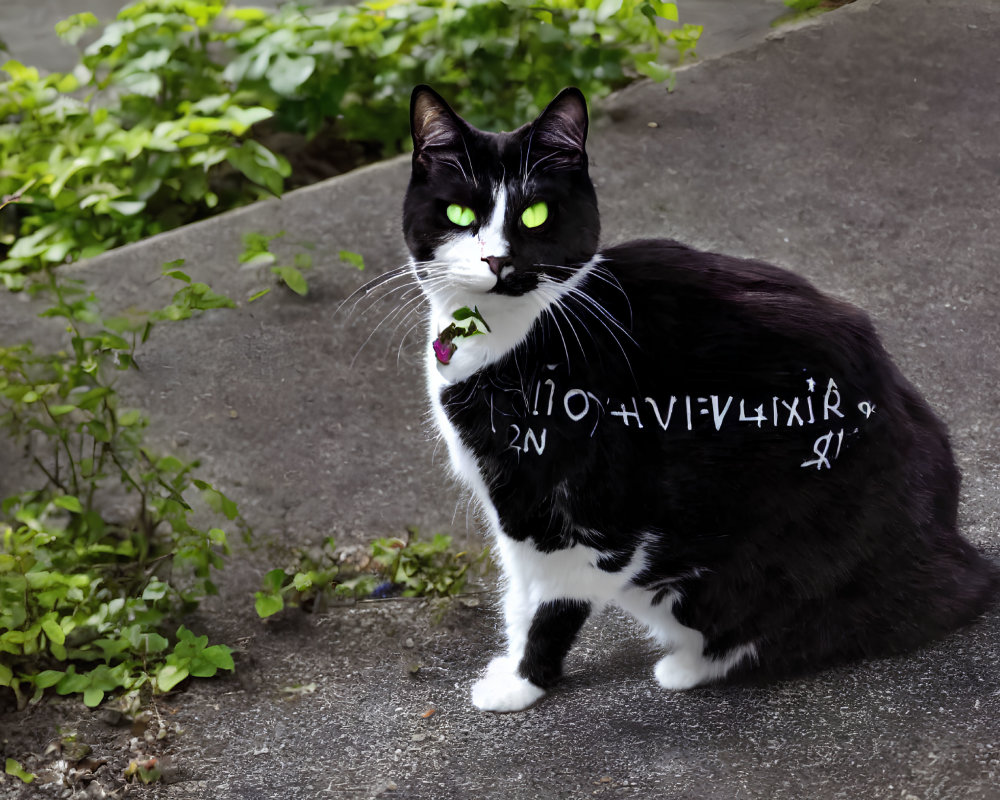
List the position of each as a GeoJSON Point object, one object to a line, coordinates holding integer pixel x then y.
{"type": "Point", "coordinates": [709, 442]}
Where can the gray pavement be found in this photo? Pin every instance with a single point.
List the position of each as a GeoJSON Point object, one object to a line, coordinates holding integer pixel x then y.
{"type": "Point", "coordinates": [860, 151]}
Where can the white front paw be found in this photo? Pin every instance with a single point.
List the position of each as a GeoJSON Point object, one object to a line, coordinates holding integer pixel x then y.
{"type": "Point", "coordinates": [502, 689]}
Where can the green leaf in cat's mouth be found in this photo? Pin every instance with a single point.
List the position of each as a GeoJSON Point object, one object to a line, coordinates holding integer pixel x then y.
{"type": "Point", "coordinates": [464, 313]}
{"type": "Point", "coordinates": [444, 346]}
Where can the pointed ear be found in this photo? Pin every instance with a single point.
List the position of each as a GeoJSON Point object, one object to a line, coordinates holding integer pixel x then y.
{"type": "Point", "coordinates": [560, 133]}
{"type": "Point", "coordinates": [432, 122]}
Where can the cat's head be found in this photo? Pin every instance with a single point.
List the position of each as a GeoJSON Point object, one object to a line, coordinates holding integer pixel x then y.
{"type": "Point", "coordinates": [498, 214]}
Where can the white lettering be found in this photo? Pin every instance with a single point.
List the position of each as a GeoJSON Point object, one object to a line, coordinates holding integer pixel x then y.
{"type": "Point", "coordinates": [716, 414]}
{"type": "Point", "coordinates": [821, 454]}
{"type": "Point", "coordinates": [530, 437]}
{"type": "Point", "coordinates": [792, 413]}
{"type": "Point", "coordinates": [656, 410]}
{"type": "Point", "coordinates": [552, 395]}
{"type": "Point", "coordinates": [512, 444]}
{"type": "Point", "coordinates": [760, 417]}
{"type": "Point", "coordinates": [586, 404]}
{"type": "Point", "coordinates": [626, 414]}
{"type": "Point", "coordinates": [832, 393]}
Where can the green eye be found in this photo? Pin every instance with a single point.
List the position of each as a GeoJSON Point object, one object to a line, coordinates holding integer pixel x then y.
{"type": "Point", "coordinates": [535, 215]}
{"type": "Point", "coordinates": [461, 215]}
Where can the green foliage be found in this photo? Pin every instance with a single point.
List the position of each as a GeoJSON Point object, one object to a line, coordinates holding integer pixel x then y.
{"type": "Point", "coordinates": [163, 121]}
{"type": "Point", "coordinates": [86, 596]}
{"type": "Point", "coordinates": [424, 568]}
{"type": "Point", "coordinates": [411, 568]}
{"type": "Point", "coordinates": [90, 175]}
{"type": "Point", "coordinates": [257, 253]}
{"type": "Point", "coordinates": [500, 61]}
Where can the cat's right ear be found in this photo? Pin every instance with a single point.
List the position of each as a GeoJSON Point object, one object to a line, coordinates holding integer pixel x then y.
{"type": "Point", "coordinates": [433, 125]}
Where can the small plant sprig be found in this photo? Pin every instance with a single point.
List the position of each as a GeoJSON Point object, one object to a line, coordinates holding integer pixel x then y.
{"type": "Point", "coordinates": [86, 597]}
{"type": "Point", "coordinates": [408, 567]}
{"type": "Point", "coordinates": [444, 346]}
{"type": "Point", "coordinates": [257, 254]}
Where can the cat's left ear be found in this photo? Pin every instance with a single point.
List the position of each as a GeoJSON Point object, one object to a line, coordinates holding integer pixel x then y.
{"type": "Point", "coordinates": [560, 133]}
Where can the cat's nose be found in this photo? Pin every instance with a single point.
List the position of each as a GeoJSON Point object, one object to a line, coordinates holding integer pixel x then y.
{"type": "Point", "coordinates": [497, 263]}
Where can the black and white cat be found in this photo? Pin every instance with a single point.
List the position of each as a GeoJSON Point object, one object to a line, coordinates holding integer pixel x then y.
{"type": "Point", "coordinates": [709, 442]}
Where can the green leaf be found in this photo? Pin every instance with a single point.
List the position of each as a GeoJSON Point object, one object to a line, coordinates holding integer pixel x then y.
{"type": "Point", "coordinates": [260, 165]}
{"type": "Point", "coordinates": [155, 590]}
{"type": "Point", "coordinates": [47, 678]}
{"type": "Point", "coordinates": [169, 675]}
{"type": "Point", "coordinates": [92, 696]}
{"type": "Point", "coordinates": [286, 74]}
{"type": "Point", "coordinates": [263, 259]}
{"type": "Point", "coordinates": [268, 604]}
{"type": "Point", "coordinates": [217, 501]}
{"type": "Point", "coordinates": [178, 275]}
{"type": "Point", "coordinates": [14, 768]}
{"type": "Point", "coordinates": [354, 259]}
{"type": "Point", "coordinates": [70, 503]}
{"type": "Point", "coordinates": [53, 631]}
{"type": "Point", "coordinates": [151, 643]}
{"type": "Point", "coordinates": [212, 659]}
{"type": "Point", "coordinates": [651, 69]}
{"type": "Point", "coordinates": [302, 581]}
{"type": "Point", "coordinates": [128, 208]}
{"type": "Point", "coordinates": [274, 580]}
{"type": "Point", "coordinates": [127, 419]}
{"type": "Point", "coordinates": [293, 279]}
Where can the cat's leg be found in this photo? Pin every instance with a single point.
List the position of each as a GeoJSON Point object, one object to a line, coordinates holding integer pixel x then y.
{"type": "Point", "coordinates": [534, 660]}
{"type": "Point", "coordinates": [685, 665]}
{"type": "Point", "coordinates": [542, 619]}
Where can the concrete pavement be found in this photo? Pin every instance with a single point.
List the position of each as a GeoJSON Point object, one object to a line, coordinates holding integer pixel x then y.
{"type": "Point", "coordinates": [860, 151]}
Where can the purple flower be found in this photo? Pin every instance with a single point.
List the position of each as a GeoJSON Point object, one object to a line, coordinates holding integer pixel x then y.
{"type": "Point", "coordinates": [443, 351]}
{"type": "Point", "coordinates": [386, 589]}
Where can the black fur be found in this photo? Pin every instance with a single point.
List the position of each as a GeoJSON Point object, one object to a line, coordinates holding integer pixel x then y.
{"type": "Point", "coordinates": [821, 527]}
{"type": "Point", "coordinates": [552, 633]}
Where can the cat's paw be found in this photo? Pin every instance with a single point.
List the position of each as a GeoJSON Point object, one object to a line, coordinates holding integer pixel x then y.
{"type": "Point", "coordinates": [501, 689]}
{"type": "Point", "coordinates": [680, 671]}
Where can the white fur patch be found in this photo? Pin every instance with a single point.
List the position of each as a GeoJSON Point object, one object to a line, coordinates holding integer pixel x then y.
{"type": "Point", "coordinates": [687, 668]}
{"type": "Point", "coordinates": [533, 578]}
{"type": "Point", "coordinates": [502, 689]}
{"type": "Point", "coordinates": [685, 665]}
{"type": "Point", "coordinates": [465, 250]}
